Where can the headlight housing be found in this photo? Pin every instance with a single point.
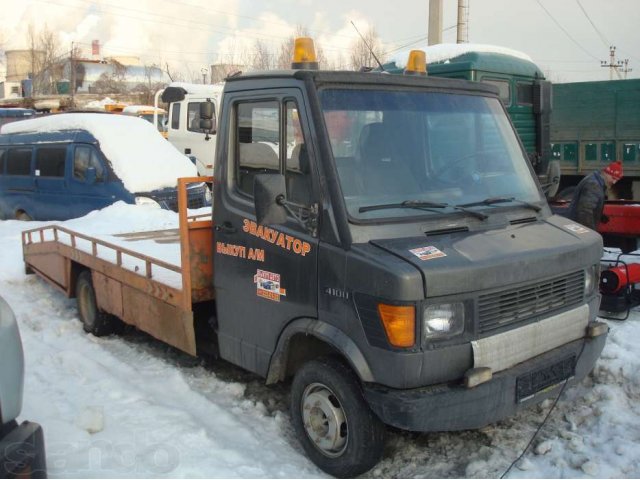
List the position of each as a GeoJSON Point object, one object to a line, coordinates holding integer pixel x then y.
{"type": "Point", "coordinates": [443, 320]}
{"type": "Point", "coordinates": [147, 202]}
{"type": "Point", "coordinates": [591, 279]}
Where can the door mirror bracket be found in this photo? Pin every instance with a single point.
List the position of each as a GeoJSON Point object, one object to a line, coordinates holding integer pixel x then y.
{"type": "Point", "coordinates": [272, 206]}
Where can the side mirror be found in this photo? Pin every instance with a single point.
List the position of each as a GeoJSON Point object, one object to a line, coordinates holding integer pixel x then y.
{"type": "Point", "coordinates": [206, 109]}
{"type": "Point", "coordinates": [208, 125]}
{"type": "Point", "coordinates": [90, 175]}
{"type": "Point", "coordinates": [207, 118]}
{"type": "Point", "coordinates": [269, 191]}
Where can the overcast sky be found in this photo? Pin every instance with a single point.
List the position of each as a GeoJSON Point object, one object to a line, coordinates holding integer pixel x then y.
{"type": "Point", "coordinates": [567, 38]}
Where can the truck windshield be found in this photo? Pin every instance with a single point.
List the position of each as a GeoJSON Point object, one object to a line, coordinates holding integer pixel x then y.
{"type": "Point", "coordinates": [396, 148]}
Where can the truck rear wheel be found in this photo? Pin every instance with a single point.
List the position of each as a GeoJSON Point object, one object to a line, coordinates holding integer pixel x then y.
{"type": "Point", "coordinates": [336, 427]}
{"type": "Point", "coordinates": [93, 319]}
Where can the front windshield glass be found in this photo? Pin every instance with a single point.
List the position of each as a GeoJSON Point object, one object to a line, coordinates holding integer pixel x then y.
{"type": "Point", "coordinates": [392, 147]}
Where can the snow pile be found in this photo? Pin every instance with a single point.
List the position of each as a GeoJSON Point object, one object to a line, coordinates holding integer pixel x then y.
{"type": "Point", "coordinates": [129, 406]}
{"type": "Point", "coordinates": [139, 156]}
{"type": "Point", "coordinates": [444, 52]}
{"type": "Point", "coordinates": [135, 109]}
{"type": "Point", "coordinates": [100, 103]}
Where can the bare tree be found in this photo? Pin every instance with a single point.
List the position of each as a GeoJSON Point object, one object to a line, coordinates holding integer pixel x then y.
{"type": "Point", "coordinates": [361, 55]}
{"type": "Point", "coordinates": [46, 66]}
{"type": "Point", "coordinates": [263, 59]}
{"type": "Point", "coordinates": [111, 83]}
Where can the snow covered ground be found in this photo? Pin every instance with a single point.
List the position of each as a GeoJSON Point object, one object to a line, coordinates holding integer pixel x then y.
{"type": "Point", "coordinates": [129, 406]}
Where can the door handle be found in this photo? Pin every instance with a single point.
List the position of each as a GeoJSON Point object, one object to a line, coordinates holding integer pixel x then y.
{"type": "Point", "coordinates": [226, 227]}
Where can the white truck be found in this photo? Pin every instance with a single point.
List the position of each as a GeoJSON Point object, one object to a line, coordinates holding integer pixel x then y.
{"type": "Point", "coordinates": [184, 129]}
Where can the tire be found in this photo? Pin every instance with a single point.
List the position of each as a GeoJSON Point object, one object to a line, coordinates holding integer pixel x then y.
{"type": "Point", "coordinates": [336, 427]}
{"type": "Point", "coordinates": [23, 216]}
{"type": "Point", "coordinates": [94, 320]}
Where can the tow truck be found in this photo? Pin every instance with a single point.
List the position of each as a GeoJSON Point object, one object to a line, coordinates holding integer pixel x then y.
{"type": "Point", "coordinates": [379, 239]}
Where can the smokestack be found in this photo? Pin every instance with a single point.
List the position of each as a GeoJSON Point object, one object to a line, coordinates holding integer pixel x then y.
{"type": "Point", "coordinates": [95, 49]}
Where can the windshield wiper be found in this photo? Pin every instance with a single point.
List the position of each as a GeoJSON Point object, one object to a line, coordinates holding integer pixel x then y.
{"type": "Point", "coordinates": [417, 204]}
{"type": "Point", "coordinates": [495, 200]}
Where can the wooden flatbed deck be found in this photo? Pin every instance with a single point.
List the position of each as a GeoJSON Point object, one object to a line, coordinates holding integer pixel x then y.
{"type": "Point", "coordinates": [151, 294]}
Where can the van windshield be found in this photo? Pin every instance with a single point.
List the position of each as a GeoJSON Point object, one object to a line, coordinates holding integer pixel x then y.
{"type": "Point", "coordinates": [394, 149]}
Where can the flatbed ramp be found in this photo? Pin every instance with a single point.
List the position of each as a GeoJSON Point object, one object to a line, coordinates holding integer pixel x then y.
{"type": "Point", "coordinates": [154, 295]}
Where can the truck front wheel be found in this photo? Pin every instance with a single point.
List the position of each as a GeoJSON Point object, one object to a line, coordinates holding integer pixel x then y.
{"type": "Point", "coordinates": [336, 427]}
{"type": "Point", "coordinates": [93, 319]}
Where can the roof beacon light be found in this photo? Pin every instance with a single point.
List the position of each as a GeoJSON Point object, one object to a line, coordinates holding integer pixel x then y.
{"type": "Point", "coordinates": [417, 63]}
{"type": "Point", "coordinates": [304, 54]}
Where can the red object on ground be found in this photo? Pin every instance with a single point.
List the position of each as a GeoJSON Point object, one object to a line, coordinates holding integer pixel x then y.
{"type": "Point", "coordinates": [615, 279]}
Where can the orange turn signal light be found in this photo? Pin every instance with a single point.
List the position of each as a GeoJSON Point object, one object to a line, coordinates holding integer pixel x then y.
{"type": "Point", "coordinates": [399, 322]}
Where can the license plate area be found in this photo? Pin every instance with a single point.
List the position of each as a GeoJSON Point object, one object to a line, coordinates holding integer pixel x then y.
{"type": "Point", "coordinates": [545, 378]}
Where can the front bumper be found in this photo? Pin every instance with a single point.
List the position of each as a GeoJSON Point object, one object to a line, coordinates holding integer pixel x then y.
{"type": "Point", "coordinates": [453, 407]}
{"type": "Point", "coordinates": [22, 452]}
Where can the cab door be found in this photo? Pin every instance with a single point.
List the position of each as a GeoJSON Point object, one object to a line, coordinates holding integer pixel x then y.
{"type": "Point", "coordinates": [51, 184]}
{"type": "Point", "coordinates": [84, 192]}
{"type": "Point", "coordinates": [265, 275]}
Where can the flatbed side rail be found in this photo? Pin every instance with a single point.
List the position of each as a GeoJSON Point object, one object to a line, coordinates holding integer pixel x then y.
{"type": "Point", "coordinates": [118, 253]}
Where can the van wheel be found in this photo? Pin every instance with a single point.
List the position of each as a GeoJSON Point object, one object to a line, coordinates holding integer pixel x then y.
{"type": "Point", "coordinates": [23, 216]}
{"type": "Point", "coordinates": [336, 427]}
{"type": "Point", "coordinates": [93, 319]}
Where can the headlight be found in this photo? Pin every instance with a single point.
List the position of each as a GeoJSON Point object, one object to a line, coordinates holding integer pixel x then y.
{"type": "Point", "coordinates": [147, 202]}
{"type": "Point", "coordinates": [590, 279]}
{"type": "Point", "coordinates": [443, 320]}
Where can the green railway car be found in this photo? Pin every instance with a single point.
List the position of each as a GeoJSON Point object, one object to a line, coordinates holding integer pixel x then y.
{"type": "Point", "coordinates": [594, 123]}
{"type": "Point", "coordinates": [523, 90]}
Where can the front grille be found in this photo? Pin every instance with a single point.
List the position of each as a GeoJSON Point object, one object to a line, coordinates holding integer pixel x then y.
{"type": "Point", "coordinates": [169, 199]}
{"type": "Point", "coordinates": [508, 307]}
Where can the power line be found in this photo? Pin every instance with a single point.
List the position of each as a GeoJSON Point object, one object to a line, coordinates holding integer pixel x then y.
{"type": "Point", "coordinates": [565, 32]}
{"type": "Point", "coordinates": [605, 42]}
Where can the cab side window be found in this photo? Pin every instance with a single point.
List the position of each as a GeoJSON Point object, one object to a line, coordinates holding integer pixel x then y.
{"type": "Point", "coordinates": [175, 116]}
{"type": "Point", "coordinates": [19, 161]}
{"type": "Point", "coordinates": [84, 158]}
{"type": "Point", "coordinates": [50, 161]}
{"type": "Point", "coordinates": [257, 143]}
{"type": "Point", "coordinates": [193, 117]}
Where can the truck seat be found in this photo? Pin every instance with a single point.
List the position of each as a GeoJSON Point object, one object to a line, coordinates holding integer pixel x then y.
{"type": "Point", "coordinates": [384, 168]}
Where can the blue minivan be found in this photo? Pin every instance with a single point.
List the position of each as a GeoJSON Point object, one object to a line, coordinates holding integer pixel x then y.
{"type": "Point", "coordinates": [57, 175]}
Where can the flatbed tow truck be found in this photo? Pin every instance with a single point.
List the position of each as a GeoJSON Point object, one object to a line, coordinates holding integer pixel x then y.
{"type": "Point", "coordinates": [379, 239]}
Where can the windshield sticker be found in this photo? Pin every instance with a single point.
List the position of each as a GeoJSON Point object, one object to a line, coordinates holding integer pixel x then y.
{"type": "Point", "coordinates": [240, 251]}
{"type": "Point", "coordinates": [287, 242]}
{"type": "Point", "coordinates": [575, 228]}
{"type": "Point", "coordinates": [268, 285]}
{"type": "Point", "coordinates": [427, 253]}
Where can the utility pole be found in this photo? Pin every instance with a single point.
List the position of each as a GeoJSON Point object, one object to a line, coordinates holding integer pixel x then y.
{"type": "Point", "coordinates": [626, 68]}
{"type": "Point", "coordinates": [73, 76]}
{"type": "Point", "coordinates": [435, 22]}
{"type": "Point", "coordinates": [613, 64]}
{"type": "Point", "coordinates": [463, 21]}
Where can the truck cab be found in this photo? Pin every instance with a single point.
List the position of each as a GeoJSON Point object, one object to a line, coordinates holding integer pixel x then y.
{"type": "Point", "coordinates": [184, 130]}
{"type": "Point", "coordinates": [384, 238]}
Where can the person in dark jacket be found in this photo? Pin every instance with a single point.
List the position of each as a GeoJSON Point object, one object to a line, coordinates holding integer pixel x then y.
{"type": "Point", "coordinates": [588, 199]}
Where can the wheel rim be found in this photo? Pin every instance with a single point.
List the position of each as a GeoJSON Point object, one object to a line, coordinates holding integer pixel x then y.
{"type": "Point", "coordinates": [86, 307]}
{"type": "Point", "coordinates": [324, 419]}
